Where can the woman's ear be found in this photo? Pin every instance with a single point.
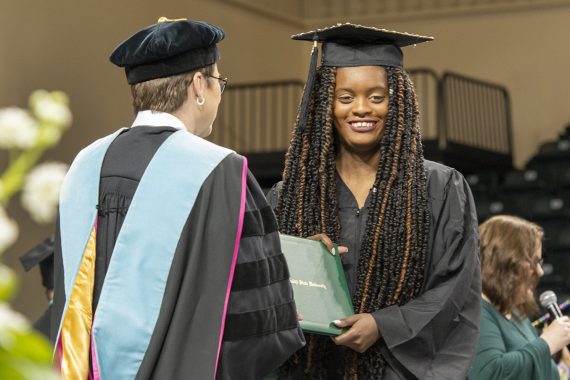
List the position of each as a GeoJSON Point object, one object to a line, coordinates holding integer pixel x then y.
{"type": "Point", "coordinates": [198, 85]}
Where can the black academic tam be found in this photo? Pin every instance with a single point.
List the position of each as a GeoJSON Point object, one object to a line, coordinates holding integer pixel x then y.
{"type": "Point", "coordinates": [169, 47]}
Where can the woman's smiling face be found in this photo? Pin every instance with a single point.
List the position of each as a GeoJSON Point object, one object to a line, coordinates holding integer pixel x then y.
{"type": "Point", "coordinates": [360, 107]}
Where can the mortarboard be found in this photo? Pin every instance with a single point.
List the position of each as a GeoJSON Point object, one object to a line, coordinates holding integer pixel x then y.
{"type": "Point", "coordinates": [169, 47]}
{"type": "Point", "coordinates": [356, 45]}
{"type": "Point", "coordinates": [41, 254]}
{"type": "Point", "coordinates": [350, 45]}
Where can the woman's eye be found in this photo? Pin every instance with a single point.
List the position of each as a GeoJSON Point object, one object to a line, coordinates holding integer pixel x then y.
{"type": "Point", "coordinates": [345, 99]}
{"type": "Point", "coordinates": [376, 98]}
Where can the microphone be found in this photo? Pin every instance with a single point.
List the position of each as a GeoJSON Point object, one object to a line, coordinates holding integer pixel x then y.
{"type": "Point", "coordinates": [546, 317]}
{"type": "Point", "coordinates": [548, 300]}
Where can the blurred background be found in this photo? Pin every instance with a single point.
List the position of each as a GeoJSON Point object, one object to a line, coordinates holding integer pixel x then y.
{"type": "Point", "coordinates": [494, 89]}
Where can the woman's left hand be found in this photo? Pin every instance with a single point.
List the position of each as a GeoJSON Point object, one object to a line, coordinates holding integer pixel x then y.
{"type": "Point", "coordinates": [363, 332]}
{"type": "Point", "coordinates": [323, 238]}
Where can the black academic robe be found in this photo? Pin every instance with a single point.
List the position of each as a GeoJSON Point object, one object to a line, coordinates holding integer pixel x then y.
{"type": "Point", "coordinates": [435, 335]}
{"type": "Point", "coordinates": [261, 329]}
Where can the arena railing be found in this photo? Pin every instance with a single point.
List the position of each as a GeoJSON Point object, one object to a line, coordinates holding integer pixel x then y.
{"type": "Point", "coordinates": [475, 121]}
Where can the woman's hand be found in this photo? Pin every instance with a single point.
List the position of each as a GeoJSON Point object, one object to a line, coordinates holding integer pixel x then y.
{"type": "Point", "coordinates": [363, 332]}
{"type": "Point", "coordinates": [557, 334]}
{"type": "Point", "coordinates": [329, 244]}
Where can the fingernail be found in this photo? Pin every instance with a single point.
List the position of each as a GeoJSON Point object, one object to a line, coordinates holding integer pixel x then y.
{"type": "Point", "coordinates": [336, 321]}
{"type": "Point", "coordinates": [332, 251]}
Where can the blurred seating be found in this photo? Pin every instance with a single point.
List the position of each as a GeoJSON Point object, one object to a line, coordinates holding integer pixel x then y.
{"type": "Point", "coordinates": [552, 152]}
{"type": "Point", "coordinates": [483, 182]}
{"type": "Point", "coordinates": [487, 207]}
{"type": "Point", "coordinates": [556, 234]}
{"type": "Point", "coordinates": [529, 179]}
{"type": "Point", "coordinates": [560, 174]}
{"type": "Point", "coordinates": [559, 149]}
{"type": "Point", "coordinates": [540, 193]}
{"type": "Point", "coordinates": [544, 207]}
{"type": "Point", "coordinates": [556, 268]}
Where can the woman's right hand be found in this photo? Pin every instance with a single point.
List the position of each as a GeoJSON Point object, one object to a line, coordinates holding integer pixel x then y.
{"type": "Point", "coordinates": [328, 243]}
{"type": "Point", "coordinates": [557, 334]}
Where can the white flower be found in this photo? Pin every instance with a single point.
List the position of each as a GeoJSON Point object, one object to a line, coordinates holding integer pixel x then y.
{"type": "Point", "coordinates": [10, 319]}
{"type": "Point", "coordinates": [40, 195]}
{"type": "Point", "coordinates": [17, 128]}
{"type": "Point", "coordinates": [51, 135]}
{"type": "Point", "coordinates": [51, 107]}
{"type": "Point", "coordinates": [8, 231]}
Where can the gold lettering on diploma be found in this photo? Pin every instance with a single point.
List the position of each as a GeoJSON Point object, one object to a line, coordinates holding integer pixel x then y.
{"type": "Point", "coordinates": [307, 283]}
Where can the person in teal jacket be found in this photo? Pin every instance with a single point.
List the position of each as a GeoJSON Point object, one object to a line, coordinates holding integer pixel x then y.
{"type": "Point", "coordinates": [509, 347]}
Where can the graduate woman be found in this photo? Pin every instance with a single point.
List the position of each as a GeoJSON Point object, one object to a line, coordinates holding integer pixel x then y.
{"type": "Point", "coordinates": [355, 172]}
{"type": "Point", "coordinates": [165, 240]}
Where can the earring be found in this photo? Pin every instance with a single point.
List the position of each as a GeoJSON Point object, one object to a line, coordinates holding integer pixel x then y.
{"type": "Point", "coordinates": [201, 101]}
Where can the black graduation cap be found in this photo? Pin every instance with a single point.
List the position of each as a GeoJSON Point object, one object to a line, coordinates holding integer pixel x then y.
{"type": "Point", "coordinates": [357, 45]}
{"type": "Point", "coordinates": [41, 254]}
{"type": "Point", "coordinates": [350, 45]}
{"type": "Point", "coordinates": [169, 47]}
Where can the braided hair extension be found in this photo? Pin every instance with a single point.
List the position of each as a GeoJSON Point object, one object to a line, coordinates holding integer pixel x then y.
{"type": "Point", "coordinates": [310, 176]}
{"type": "Point", "coordinates": [394, 245]}
{"type": "Point", "coordinates": [307, 203]}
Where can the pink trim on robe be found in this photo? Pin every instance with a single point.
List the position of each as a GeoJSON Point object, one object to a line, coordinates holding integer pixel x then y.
{"type": "Point", "coordinates": [59, 352]}
{"type": "Point", "coordinates": [94, 362]}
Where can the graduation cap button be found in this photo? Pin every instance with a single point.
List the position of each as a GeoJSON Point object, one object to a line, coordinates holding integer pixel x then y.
{"type": "Point", "coordinates": [165, 19]}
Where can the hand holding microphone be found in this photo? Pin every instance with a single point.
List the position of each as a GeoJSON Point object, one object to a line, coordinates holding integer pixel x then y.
{"type": "Point", "coordinates": [557, 334]}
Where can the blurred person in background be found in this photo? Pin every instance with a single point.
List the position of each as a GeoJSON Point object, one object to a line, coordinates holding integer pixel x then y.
{"type": "Point", "coordinates": [511, 265]}
{"type": "Point", "coordinates": [42, 256]}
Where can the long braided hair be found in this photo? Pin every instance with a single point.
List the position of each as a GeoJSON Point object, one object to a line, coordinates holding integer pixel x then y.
{"type": "Point", "coordinates": [393, 250]}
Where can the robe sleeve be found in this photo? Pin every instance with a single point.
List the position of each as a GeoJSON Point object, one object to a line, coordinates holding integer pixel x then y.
{"type": "Point", "coordinates": [261, 325]}
{"type": "Point", "coordinates": [494, 362]}
{"type": "Point", "coordinates": [434, 336]}
{"type": "Point", "coordinates": [273, 194]}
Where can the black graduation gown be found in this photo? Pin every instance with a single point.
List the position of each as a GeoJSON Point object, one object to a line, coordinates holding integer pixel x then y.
{"type": "Point", "coordinates": [261, 330]}
{"type": "Point", "coordinates": [435, 335]}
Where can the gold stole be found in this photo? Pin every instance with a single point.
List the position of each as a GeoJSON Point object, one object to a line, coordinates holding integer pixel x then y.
{"type": "Point", "coordinates": [76, 327]}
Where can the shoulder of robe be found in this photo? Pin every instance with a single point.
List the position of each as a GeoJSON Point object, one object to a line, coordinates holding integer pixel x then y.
{"type": "Point", "coordinates": [437, 172]}
{"type": "Point", "coordinates": [439, 178]}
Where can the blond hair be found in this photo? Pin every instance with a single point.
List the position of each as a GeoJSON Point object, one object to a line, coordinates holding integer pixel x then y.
{"type": "Point", "coordinates": [165, 94]}
{"type": "Point", "coordinates": [508, 247]}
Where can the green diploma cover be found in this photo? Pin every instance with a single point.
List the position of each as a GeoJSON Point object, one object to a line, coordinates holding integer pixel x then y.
{"type": "Point", "coordinates": [319, 285]}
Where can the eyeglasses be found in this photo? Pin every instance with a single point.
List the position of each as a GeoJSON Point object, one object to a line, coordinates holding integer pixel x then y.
{"type": "Point", "coordinates": [222, 81]}
{"type": "Point", "coordinates": [538, 262]}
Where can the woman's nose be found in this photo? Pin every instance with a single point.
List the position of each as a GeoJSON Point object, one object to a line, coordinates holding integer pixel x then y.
{"type": "Point", "coordinates": [361, 107]}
